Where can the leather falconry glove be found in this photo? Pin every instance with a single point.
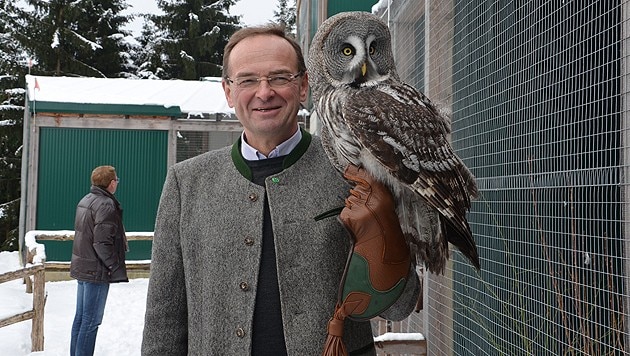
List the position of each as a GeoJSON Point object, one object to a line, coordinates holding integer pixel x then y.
{"type": "Point", "coordinates": [378, 264]}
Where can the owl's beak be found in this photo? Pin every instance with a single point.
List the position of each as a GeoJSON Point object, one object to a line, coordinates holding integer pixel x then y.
{"type": "Point", "coordinates": [364, 69]}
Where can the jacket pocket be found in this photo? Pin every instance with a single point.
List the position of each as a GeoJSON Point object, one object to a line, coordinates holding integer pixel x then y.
{"type": "Point", "coordinates": [85, 268]}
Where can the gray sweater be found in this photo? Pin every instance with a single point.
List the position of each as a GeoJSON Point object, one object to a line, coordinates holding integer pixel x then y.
{"type": "Point", "coordinates": [207, 247]}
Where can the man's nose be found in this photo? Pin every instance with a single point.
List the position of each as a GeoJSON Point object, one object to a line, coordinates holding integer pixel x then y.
{"type": "Point", "coordinates": [264, 90]}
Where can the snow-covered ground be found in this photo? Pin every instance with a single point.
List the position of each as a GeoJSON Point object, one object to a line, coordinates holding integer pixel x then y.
{"type": "Point", "coordinates": [119, 334]}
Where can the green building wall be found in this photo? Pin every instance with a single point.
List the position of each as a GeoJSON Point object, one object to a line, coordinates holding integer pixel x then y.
{"type": "Point", "coordinates": [67, 157]}
{"type": "Point", "coordinates": [335, 7]}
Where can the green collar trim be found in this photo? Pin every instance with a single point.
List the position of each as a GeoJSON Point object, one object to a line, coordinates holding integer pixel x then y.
{"type": "Point", "coordinates": [289, 160]}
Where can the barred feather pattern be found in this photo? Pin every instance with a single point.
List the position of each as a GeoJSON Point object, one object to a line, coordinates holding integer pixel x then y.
{"type": "Point", "coordinates": [373, 120]}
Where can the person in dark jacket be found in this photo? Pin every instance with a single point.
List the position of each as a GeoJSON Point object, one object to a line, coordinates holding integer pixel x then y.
{"type": "Point", "coordinates": [98, 256]}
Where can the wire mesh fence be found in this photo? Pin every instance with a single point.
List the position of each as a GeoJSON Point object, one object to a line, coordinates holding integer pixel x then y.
{"type": "Point", "coordinates": [194, 143]}
{"type": "Point", "coordinates": [537, 96]}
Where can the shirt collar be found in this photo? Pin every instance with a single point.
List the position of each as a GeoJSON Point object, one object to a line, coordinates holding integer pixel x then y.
{"type": "Point", "coordinates": [283, 149]}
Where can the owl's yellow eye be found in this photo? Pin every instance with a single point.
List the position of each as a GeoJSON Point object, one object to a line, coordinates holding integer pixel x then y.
{"type": "Point", "coordinates": [372, 50]}
{"type": "Point", "coordinates": [347, 51]}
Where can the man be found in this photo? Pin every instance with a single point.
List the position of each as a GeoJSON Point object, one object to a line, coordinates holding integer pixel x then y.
{"type": "Point", "coordinates": [240, 265]}
{"type": "Point", "coordinates": [98, 256]}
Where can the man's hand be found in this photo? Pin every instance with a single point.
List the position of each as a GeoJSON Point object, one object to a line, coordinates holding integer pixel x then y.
{"type": "Point", "coordinates": [371, 218]}
{"type": "Point", "coordinates": [378, 266]}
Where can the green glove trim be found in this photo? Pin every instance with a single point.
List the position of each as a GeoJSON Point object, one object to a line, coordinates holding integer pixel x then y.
{"type": "Point", "coordinates": [358, 280]}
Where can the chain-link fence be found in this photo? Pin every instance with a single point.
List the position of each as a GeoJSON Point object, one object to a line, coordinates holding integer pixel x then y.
{"type": "Point", "coordinates": [536, 94]}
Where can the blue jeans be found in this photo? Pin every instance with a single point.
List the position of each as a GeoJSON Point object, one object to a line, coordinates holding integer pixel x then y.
{"type": "Point", "coordinates": [91, 299]}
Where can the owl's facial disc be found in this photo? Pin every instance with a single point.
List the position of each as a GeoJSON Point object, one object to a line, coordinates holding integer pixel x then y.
{"type": "Point", "coordinates": [359, 67]}
{"type": "Point", "coordinates": [370, 50]}
{"type": "Point", "coordinates": [355, 54]}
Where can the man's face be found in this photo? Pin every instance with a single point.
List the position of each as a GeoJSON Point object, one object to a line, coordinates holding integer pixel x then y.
{"type": "Point", "coordinates": [113, 185]}
{"type": "Point", "coordinates": [267, 112]}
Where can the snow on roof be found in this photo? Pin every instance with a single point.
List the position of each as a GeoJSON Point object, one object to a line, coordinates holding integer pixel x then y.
{"type": "Point", "coordinates": [192, 97]}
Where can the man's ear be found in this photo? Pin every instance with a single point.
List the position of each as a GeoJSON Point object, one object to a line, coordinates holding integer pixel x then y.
{"type": "Point", "coordinates": [228, 92]}
{"type": "Point", "coordinates": [304, 89]}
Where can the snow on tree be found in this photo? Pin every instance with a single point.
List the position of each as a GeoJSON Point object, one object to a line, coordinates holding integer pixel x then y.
{"type": "Point", "coordinates": [286, 15]}
{"type": "Point", "coordinates": [11, 113]}
{"type": "Point", "coordinates": [188, 38]}
{"type": "Point", "coordinates": [13, 64]}
{"type": "Point", "coordinates": [84, 38]}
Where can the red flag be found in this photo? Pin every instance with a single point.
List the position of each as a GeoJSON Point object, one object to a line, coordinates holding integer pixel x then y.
{"type": "Point", "coordinates": [36, 85]}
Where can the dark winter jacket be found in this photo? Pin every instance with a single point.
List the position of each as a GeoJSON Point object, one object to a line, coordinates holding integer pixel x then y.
{"type": "Point", "coordinates": [98, 251]}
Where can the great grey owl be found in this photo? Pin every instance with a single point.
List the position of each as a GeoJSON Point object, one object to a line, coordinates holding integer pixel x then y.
{"type": "Point", "coordinates": [373, 120]}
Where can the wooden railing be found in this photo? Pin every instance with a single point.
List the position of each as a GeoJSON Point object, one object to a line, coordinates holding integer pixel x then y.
{"type": "Point", "coordinates": [70, 236]}
{"type": "Point", "coordinates": [39, 300]}
{"type": "Point", "coordinates": [53, 266]}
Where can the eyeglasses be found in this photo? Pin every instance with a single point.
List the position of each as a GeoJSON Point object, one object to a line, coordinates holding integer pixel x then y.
{"type": "Point", "coordinates": [274, 81]}
{"type": "Point", "coordinates": [117, 179]}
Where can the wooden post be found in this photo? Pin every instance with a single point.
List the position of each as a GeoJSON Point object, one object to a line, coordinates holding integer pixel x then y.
{"type": "Point", "coordinates": [27, 279]}
{"type": "Point", "coordinates": [39, 301]}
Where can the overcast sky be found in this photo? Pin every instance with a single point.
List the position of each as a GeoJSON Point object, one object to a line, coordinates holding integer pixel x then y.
{"type": "Point", "coordinates": [254, 12]}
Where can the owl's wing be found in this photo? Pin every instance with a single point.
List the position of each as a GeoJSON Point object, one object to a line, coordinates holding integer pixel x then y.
{"type": "Point", "coordinates": [403, 131]}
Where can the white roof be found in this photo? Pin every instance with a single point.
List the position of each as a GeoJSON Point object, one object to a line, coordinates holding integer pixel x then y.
{"type": "Point", "coordinates": [193, 97]}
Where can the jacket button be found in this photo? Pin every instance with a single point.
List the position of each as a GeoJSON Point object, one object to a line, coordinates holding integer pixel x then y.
{"type": "Point", "coordinates": [249, 241]}
{"type": "Point", "coordinates": [240, 332]}
{"type": "Point", "coordinates": [253, 197]}
{"type": "Point", "coordinates": [244, 286]}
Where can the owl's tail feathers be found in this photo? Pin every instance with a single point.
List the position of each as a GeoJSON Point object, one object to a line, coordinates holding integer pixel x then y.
{"type": "Point", "coordinates": [432, 254]}
{"type": "Point", "coordinates": [463, 240]}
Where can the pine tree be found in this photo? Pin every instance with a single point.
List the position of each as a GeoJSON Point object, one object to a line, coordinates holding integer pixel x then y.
{"type": "Point", "coordinates": [11, 111]}
{"type": "Point", "coordinates": [82, 38]}
{"type": "Point", "coordinates": [103, 23]}
{"type": "Point", "coordinates": [147, 58]}
{"type": "Point", "coordinates": [87, 40]}
{"type": "Point", "coordinates": [190, 37]}
{"type": "Point", "coordinates": [12, 69]}
{"type": "Point", "coordinates": [286, 15]}
{"type": "Point", "coordinates": [10, 54]}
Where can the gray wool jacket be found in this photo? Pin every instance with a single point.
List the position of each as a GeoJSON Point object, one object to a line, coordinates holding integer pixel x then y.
{"type": "Point", "coordinates": [207, 247]}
